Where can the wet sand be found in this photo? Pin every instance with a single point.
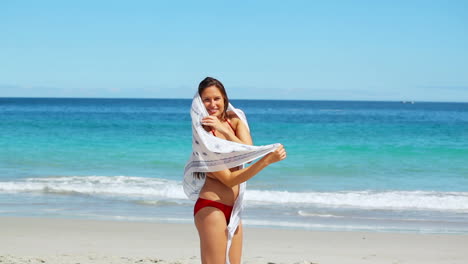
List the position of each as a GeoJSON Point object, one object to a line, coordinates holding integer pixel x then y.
{"type": "Point", "coordinates": [63, 241]}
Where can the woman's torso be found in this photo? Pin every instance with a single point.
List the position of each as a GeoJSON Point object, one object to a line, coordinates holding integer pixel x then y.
{"type": "Point", "coordinates": [215, 190]}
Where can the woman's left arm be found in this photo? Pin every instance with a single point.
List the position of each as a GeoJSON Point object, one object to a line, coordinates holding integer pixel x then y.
{"type": "Point", "coordinates": [242, 133]}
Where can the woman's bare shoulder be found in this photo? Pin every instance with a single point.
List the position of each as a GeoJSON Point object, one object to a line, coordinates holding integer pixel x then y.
{"type": "Point", "coordinates": [232, 116]}
{"type": "Point", "coordinates": [242, 131]}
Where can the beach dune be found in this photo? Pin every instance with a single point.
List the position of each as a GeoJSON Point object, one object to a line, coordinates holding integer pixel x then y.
{"type": "Point", "coordinates": [41, 240]}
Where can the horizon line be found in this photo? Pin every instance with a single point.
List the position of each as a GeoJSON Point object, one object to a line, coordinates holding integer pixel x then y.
{"type": "Point", "coordinates": [165, 98]}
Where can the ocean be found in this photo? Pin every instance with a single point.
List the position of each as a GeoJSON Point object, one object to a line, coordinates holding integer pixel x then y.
{"type": "Point", "coordinates": [352, 165]}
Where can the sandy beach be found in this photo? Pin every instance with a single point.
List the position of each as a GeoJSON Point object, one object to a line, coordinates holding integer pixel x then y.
{"type": "Point", "coordinates": [63, 241]}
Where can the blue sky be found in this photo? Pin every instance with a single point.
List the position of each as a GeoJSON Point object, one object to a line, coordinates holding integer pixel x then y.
{"type": "Point", "coordinates": [316, 50]}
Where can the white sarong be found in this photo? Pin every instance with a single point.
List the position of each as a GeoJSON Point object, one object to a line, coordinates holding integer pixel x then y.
{"type": "Point", "coordinates": [210, 153]}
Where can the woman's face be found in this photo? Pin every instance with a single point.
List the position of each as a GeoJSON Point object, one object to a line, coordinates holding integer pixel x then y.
{"type": "Point", "coordinates": [213, 101]}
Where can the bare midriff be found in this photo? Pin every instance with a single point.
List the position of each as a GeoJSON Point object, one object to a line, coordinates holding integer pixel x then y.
{"type": "Point", "coordinates": [216, 191]}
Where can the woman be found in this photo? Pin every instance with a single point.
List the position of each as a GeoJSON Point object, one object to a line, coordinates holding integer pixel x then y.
{"type": "Point", "coordinates": [221, 188]}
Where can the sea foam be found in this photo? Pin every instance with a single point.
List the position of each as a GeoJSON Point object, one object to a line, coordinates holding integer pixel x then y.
{"type": "Point", "coordinates": [129, 187]}
{"type": "Point", "coordinates": [386, 200]}
{"type": "Point", "coordinates": [98, 185]}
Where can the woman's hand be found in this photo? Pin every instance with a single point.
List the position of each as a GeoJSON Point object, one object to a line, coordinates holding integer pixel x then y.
{"type": "Point", "coordinates": [214, 123]}
{"type": "Point", "coordinates": [277, 155]}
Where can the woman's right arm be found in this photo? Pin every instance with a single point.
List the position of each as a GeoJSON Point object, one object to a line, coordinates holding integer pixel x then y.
{"type": "Point", "coordinates": [233, 178]}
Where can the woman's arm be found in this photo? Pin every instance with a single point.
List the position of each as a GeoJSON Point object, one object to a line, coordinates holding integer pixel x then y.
{"type": "Point", "coordinates": [233, 178]}
{"type": "Point", "coordinates": [241, 135]}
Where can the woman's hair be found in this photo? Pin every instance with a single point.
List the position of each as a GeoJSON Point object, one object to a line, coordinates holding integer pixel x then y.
{"type": "Point", "coordinates": [209, 81]}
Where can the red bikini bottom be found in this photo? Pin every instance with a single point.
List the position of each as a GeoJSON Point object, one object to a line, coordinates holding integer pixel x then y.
{"type": "Point", "coordinates": [202, 203]}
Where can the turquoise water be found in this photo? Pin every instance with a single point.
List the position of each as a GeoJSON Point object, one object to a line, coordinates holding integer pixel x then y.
{"type": "Point", "coordinates": [385, 166]}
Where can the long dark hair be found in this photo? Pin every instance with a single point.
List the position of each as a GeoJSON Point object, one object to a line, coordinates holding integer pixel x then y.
{"type": "Point", "coordinates": [210, 81]}
{"type": "Point", "coordinates": [207, 82]}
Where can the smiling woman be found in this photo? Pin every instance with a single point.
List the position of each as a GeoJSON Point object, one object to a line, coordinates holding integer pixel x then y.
{"type": "Point", "coordinates": [219, 200]}
{"type": "Point", "coordinates": [227, 123]}
{"type": "Point", "coordinates": [214, 96]}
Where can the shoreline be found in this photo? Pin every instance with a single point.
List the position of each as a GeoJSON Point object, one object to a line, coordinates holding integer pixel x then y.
{"type": "Point", "coordinates": [58, 240]}
{"type": "Point", "coordinates": [307, 225]}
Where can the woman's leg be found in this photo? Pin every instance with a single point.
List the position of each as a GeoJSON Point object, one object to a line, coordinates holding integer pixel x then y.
{"type": "Point", "coordinates": [235, 253]}
{"type": "Point", "coordinates": [211, 226]}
